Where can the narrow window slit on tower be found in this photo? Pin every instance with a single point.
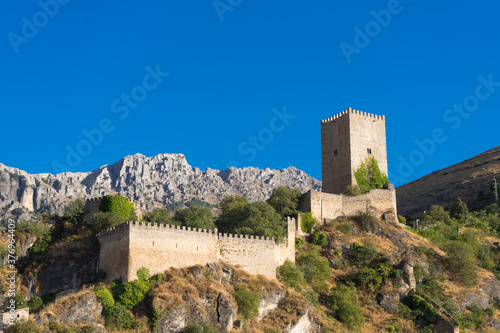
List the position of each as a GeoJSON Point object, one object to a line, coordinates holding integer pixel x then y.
{"type": "Point", "coordinates": [369, 150]}
{"type": "Point", "coordinates": [335, 152]}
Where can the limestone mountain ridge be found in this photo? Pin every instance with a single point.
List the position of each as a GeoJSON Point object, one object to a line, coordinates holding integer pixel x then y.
{"type": "Point", "coordinates": [156, 181]}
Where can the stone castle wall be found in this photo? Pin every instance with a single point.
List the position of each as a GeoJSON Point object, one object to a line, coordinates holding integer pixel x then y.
{"type": "Point", "coordinates": [327, 206]}
{"type": "Point", "coordinates": [130, 246]}
{"type": "Point", "coordinates": [347, 139]}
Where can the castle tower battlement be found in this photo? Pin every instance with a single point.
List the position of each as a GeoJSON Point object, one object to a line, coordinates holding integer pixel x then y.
{"type": "Point", "coordinates": [353, 112]}
{"type": "Point", "coordinates": [347, 139]}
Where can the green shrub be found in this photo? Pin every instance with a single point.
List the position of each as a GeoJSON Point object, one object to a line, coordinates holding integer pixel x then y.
{"type": "Point", "coordinates": [143, 274]}
{"type": "Point", "coordinates": [461, 262]}
{"type": "Point", "coordinates": [55, 326]}
{"type": "Point", "coordinates": [248, 302]}
{"type": "Point", "coordinates": [28, 326]}
{"type": "Point", "coordinates": [87, 329]}
{"type": "Point", "coordinates": [353, 190]}
{"type": "Point", "coordinates": [200, 328]}
{"type": "Point", "coordinates": [362, 255]}
{"type": "Point", "coordinates": [298, 242]}
{"type": "Point", "coordinates": [117, 204]}
{"type": "Point", "coordinates": [402, 219]}
{"type": "Point", "coordinates": [319, 238]}
{"type": "Point", "coordinates": [73, 212]}
{"type": "Point", "coordinates": [314, 266]}
{"type": "Point", "coordinates": [394, 327]}
{"type": "Point", "coordinates": [291, 275]}
{"type": "Point", "coordinates": [372, 278]}
{"type": "Point", "coordinates": [346, 228]}
{"type": "Point", "coordinates": [307, 222]}
{"type": "Point", "coordinates": [345, 307]}
{"type": "Point", "coordinates": [35, 304]}
{"type": "Point", "coordinates": [104, 296]}
{"type": "Point", "coordinates": [366, 220]}
{"type": "Point", "coordinates": [117, 316]}
{"type": "Point", "coordinates": [134, 292]}
{"type": "Point", "coordinates": [312, 297]}
{"type": "Point", "coordinates": [368, 175]}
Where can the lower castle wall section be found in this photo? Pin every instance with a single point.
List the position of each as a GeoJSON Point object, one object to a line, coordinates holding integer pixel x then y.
{"type": "Point", "coordinates": [114, 252]}
{"type": "Point", "coordinates": [158, 247]}
{"type": "Point", "coordinates": [326, 206]}
{"type": "Point", "coordinates": [253, 254]}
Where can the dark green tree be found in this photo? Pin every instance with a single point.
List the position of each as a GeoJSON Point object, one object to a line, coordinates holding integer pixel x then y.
{"type": "Point", "coordinates": [158, 215]}
{"type": "Point", "coordinates": [107, 220]}
{"type": "Point", "coordinates": [346, 308]}
{"type": "Point", "coordinates": [195, 217]}
{"type": "Point", "coordinates": [256, 218]}
{"type": "Point", "coordinates": [73, 212]}
{"type": "Point", "coordinates": [459, 210]}
{"type": "Point", "coordinates": [436, 216]}
{"type": "Point", "coordinates": [285, 201]}
{"type": "Point", "coordinates": [314, 266]}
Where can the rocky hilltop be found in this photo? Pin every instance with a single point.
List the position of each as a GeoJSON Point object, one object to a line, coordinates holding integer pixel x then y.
{"type": "Point", "coordinates": [155, 181]}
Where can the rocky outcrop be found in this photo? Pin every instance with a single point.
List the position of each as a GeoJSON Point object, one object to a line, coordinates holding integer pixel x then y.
{"type": "Point", "coordinates": [150, 181]}
{"type": "Point", "coordinates": [81, 308]}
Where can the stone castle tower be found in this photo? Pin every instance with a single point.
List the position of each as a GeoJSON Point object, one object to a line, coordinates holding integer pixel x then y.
{"type": "Point", "coordinates": [347, 139]}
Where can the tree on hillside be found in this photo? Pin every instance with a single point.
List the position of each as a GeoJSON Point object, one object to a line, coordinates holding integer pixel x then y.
{"type": "Point", "coordinates": [459, 210]}
{"type": "Point", "coordinates": [436, 216]}
{"type": "Point", "coordinates": [257, 218]}
{"type": "Point", "coordinates": [119, 205]}
{"type": "Point", "coordinates": [231, 209]}
{"type": "Point", "coordinates": [195, 217]}
{"type": "Point", "coordinates": [158, 215]}
{"type": "Point", "coordinates": [284, 201]}
{"type": "Point", "coordinates": [74, 210]}
{"type": "Point", "coordinates": [368, 175]}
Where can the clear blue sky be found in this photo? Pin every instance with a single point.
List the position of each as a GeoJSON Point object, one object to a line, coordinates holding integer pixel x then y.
{"type": "Point", "coordinates": [244, 82]}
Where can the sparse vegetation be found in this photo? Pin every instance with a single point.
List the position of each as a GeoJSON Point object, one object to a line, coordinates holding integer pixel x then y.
{"type": "Point", "coordinates": [368, 176]}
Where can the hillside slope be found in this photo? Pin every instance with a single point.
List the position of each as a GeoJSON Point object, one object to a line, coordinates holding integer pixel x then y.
{"type": "Point", "coordinates": [465, 180]}
{"type": "Point", "coordinates": [151, 181]}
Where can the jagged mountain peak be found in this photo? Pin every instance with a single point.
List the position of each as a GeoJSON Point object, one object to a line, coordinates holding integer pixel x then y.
{"type": "Point", "coordinates": [154, 181]}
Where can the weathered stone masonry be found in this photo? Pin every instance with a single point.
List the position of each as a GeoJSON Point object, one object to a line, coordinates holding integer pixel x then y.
{"type": "Point", "coordinates": [130, 246]}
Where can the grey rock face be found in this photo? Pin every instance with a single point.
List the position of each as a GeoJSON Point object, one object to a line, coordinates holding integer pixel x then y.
{"type": "Point", "coordinates": [150, 181]}
{"type": "Point", "coordinates": [87, 309]}
{"type": "Point", "coordinates": [390, 302]}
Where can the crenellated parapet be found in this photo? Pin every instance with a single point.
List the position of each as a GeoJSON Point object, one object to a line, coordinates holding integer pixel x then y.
{"type": "Point", "coordinates": [160, 227]}
{"type": "Point", "coordinates": [351, 111]}
{"type": "Point", "coordinates": [226, 236]}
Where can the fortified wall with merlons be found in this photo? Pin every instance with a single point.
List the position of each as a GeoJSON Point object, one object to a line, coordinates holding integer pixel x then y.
{"type": "Point", "coordinates": [132, 245]}
{"type": "Point", "coordinates": [347, 139]}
